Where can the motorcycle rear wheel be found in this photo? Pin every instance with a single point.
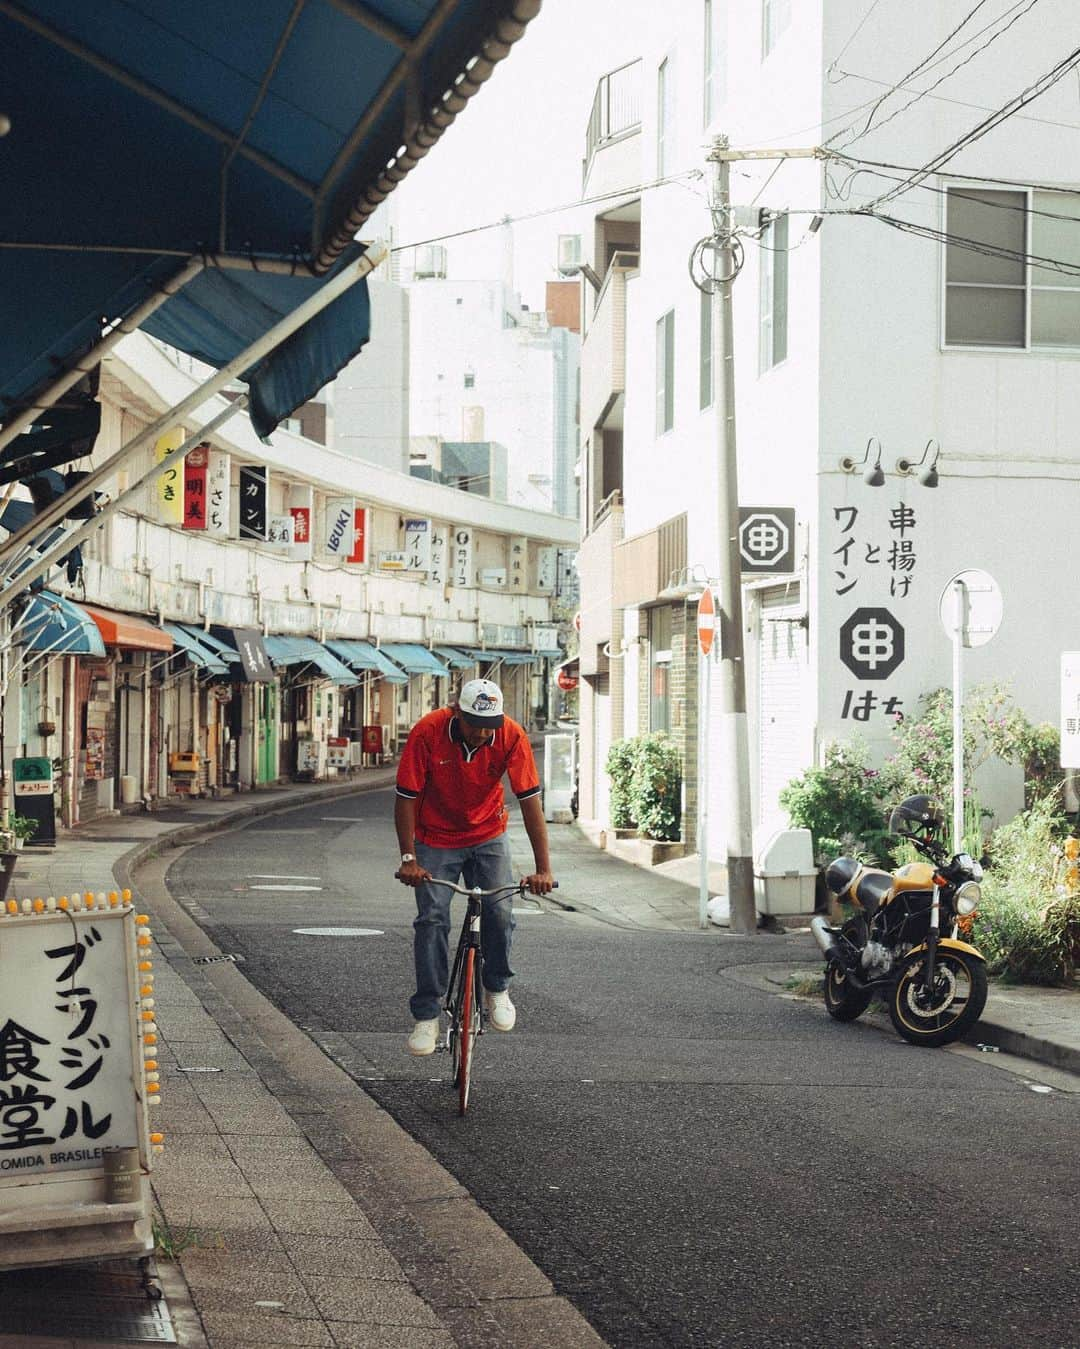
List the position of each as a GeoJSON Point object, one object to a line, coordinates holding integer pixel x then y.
{"type": "Point", "coordinates": [843, 1001]}
{"type": "Point", "coordinates": [943, 1014]}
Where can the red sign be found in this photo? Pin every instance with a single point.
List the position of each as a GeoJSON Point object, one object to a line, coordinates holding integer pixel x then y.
{"type": "Point", "coordinates": [566, 680]}
{"type": "Point", "coordinates": [301, 523]}
{"type": "Point", "coordinates": [195, 469]}
{"type": "Point", "coordinates": [358, 553]}
{"type": "Point", "coordinates": [371, 739]}
{"type": "Point", "coordinates": [706, 621]}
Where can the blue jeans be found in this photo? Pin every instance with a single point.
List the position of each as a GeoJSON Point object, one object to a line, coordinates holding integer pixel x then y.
{"type": "Point", "coordinates": [486, 865]}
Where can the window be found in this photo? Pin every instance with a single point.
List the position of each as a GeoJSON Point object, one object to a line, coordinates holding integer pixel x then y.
{"type": "Point", "coordinates": [660, 668]}
{"type": "Point", "coordinates": [665, 373]}
{"type": "Point", "coordinates": [665, 117]}
{"type": "Point", "coordinates": [775, 17]}
{"type": "Point", "coordinates": [715, 45]}
{"type": "Point", "coordinates": [1004, 300]}
{"type": "Point", "coordinates": [705, 352]}
{"type": "Point", "coordinates": [774, 294]}
{"type": "Point", "coordinates": [470, 379]}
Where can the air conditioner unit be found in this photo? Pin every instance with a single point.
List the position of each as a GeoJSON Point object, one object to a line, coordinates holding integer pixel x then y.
{"type": "Point", "coordinates": [569, 254]}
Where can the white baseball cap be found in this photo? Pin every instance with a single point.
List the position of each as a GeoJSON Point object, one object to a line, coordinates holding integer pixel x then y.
{"type": "Point", "coordinates": [480, 703]}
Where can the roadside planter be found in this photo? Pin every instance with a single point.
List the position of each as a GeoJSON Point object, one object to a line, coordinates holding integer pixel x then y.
{"type": "Point", "coordinates": [78, 1072]}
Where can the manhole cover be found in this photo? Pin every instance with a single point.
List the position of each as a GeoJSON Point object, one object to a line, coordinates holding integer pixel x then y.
{"type": "Point", "coordinates": [108, 1302]}
{"type": "Point", "coordinates": [338, 931]}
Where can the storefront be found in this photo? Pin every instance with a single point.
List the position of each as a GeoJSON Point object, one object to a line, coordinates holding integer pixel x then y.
{"type": "Point", "coordinates": [313, 685]}
{"type": "Point", "coordinates": [370, 705]}
{"type": "Point", "coordinates": [251, 721]}
{"type": "Point", "coordinates": [427, 689]}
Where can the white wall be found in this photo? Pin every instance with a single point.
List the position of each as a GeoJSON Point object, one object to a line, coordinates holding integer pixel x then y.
{"type": "Point", "coordinates": [370, 398]}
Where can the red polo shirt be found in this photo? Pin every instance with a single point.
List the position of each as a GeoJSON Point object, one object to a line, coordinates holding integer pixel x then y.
{"type": "Point", "coordinates": [458, 791]}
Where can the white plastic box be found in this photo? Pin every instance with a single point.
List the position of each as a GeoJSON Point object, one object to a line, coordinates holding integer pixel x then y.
{"type": "Point", "coordinates": [785, 875]}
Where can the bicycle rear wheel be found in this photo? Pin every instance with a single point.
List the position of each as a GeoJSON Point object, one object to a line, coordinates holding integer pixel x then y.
{"type": "Point", "coordinates": [466, 1027]}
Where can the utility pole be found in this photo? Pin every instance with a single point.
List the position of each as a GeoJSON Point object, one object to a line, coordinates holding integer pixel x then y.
{"type": "Point", "coordinates": [735, 766]}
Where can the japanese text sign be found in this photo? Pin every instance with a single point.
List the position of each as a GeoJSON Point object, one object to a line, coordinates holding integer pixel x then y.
{"type": "Point", "coordinates": [218, 493]}
{"type": "Point", "coordinates": [254, 494]}
{"type": "Point", "coordinates": [418, 545]}
{"type": "Point", "coordinates": [68, 1042]}
{"type": "Point", "coordinates": [196, 467]}
{"type": "Point", "coordinates": [170, 483]}
{"type": "Point", "coordinates": [339, 526]}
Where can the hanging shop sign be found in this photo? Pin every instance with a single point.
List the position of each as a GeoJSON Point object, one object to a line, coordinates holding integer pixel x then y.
{"type": "Point", "coordinates": [33, 785]}
{"type": "Point", "coordinates": [767, 538]}
{"type": "Point", "coordinates": [566, 681]}
{"type": "Point", "coordinates": [279, 531]}
{"type": "Point", "coordinates": [545, 637]}
{"type": "Point", "coordinates": [301, 499]}
{"type": "Point", "coordinates": [393, 561]}
{"type": "Point", "coordinates": [170, 482]}
{"type": "Point", "coordinates": [418, 544]}
{"type": "Point", "coordinates": [254, 494]}
{"type": "Point", "coordinates": [359, 548]}
{"type": "Point", "coordinates": [196, 467]}
{"type": "Point", "coordinates": [518, 575]}
{"type": "Point", "coordinates": [337, 752]}
{"type": "Point", "coordinates": [437, 567]}
{"type": "Point", "coordinates": [218, 493]}
{"type": "Point", "coordinates": [461, 558]}
{"type": "Point", "coordinates": [338, 518]}
{"type": "Point", "coordinates": [546, 568]}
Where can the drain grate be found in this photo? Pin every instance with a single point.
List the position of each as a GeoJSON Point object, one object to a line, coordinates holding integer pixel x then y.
{"type": "Point", "coordinates": [108, 1302]}
{"type": "Point", "coordinates": [217, 960]}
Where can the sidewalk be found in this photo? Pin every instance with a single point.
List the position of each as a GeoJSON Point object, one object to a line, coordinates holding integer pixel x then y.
{"type": "Point", "coordinates": [317, 1220]}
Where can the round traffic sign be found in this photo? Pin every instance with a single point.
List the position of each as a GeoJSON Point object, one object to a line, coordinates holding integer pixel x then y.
{"type": "Point", "coordinates": [706, 621]}
{"type": "Point", "coordinates": [972, 605]}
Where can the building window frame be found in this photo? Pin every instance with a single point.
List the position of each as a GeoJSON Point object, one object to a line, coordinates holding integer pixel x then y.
{"type": "Point", "coordinates": [660, 627]}
{"type": "Point", "coordinates": [1033, 282]}
{"type": "Point", "coordinates": [773, 295]}
{"type": "Point", "coordinates": [665, 373]}
{"type": "Point", "coordinates": [706, 352]}
{"type": "Point", "coordinates": [775, 21]}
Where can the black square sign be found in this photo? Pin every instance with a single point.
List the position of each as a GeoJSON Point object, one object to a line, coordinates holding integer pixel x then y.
{"type": "Point", "coordinates": [767, 538]}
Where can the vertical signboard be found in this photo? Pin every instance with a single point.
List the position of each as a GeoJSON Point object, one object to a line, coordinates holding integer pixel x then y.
{"type": "Point", "coordinates": [170, 483]}
{"type": "Point", "coordinates": [437, 567]}
{"type": "Point", "coordinates": [300, 503]}
{"type": "Point", "coordinates": [338, 519]}
{"type": "Point", "coordinates": [254, 492]}
{"type": "Point", "coordinates": [1070, 709]}
{"type": "Point", "coordinates": [461, 560]}
{"type": "Point", "coordinates": [418, 544]}
{"type": "Point", "coordinates": [359, 549]}
{"type": "Point", "coordinates": [279, 531]}
{"type": "Point", "coordinates": [546, 573]}
{"type": "Point", "coordinates": [195, 494]}
{"type": "Point", "coordinates": [218, 493]}
{"type": "Point", "coordinates": [518, 575]}
{"type": "Point", "coordinates": [33, 781]}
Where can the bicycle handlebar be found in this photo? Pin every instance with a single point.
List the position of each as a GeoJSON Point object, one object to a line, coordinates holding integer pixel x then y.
{"type": "Point", "coordinates": [519, 886]}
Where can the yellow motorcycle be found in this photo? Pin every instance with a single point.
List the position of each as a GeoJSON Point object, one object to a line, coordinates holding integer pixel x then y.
{"type": "Point", "coordinates": [903, 942]}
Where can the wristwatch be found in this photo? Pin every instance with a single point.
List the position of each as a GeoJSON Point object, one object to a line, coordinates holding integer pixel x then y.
{"type": "Point", "coordinates": [408, 857]}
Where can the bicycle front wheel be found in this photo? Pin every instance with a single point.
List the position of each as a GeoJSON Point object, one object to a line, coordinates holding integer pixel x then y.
{"type": "Point", "coordinates": [466, 1016]}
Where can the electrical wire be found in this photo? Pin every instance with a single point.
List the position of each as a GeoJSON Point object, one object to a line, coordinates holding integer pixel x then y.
{"type": "Point", "coordinates": [858, 29]}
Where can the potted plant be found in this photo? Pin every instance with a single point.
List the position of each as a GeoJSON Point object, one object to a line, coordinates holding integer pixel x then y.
{"type": "Point", "coordinates": [21, 826]}
{"type": "Point", "coordinates": [46, 728]}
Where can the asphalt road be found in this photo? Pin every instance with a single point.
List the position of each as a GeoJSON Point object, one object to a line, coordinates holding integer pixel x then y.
{"type": "Point", "coordinates": [690, 1158]}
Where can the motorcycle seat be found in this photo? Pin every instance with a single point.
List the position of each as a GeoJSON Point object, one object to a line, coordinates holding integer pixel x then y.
{"type": "Point", "coordinates": [871, 888]}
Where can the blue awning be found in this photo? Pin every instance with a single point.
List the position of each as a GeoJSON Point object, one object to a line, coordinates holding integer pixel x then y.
{"type": "Point", "coordinates": [145, 134]}
{"type": "Point", "coordinates": [365, 656]}
{"type": "Point", "coordinates": [54, 624]}
{"type": "Point", "coordinates": [285, 651]}
{"type": "Point", "coordinates": [228, 654]}
{"type": "Point", "coordinates": [457, 660]}
{"type": "Point", "coordinates": [202, 657]}
{"type": "Point", "coordinates": [414, 659]}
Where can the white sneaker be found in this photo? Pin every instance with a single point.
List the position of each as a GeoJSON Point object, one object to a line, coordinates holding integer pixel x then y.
{"type": "Point", "coordinates": [423, 1038]}
{"type": "Point", "coordinates": [500, 1011]}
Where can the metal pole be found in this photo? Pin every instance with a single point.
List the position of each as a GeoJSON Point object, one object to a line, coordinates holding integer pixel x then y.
{"type": "Point", "coordinates": [735, 768]}
{"type": "Point", "coordinates": [71, 540]}
{"type": "Point", "coordinates": [960, 598]}
{"type": "Point", "coordinates": [271, 339]}
{"type": "Point", "coordinates": [703, 793]}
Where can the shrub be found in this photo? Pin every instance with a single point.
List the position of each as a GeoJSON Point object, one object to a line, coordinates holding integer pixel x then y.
{"type": "Point", "coordinates": [620, 769]}
{"type": "Point", "coordinates": [657, 787]}
{"type": "Point", "coordinates": [1028, 928]}
{"type": "Point", "coordinates": [840, 803]}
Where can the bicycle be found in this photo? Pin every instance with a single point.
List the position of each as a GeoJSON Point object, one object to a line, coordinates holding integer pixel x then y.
{"type": "Point", "coordinates": [465, 991]}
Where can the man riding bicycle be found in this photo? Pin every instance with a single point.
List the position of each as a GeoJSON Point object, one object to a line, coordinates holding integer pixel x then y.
{"type": "Point", "coordinates": [451, 818]}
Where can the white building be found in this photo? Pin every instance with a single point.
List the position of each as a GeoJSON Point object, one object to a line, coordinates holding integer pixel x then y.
{"type": "Point", "coordinates": [857, 333]}
{"type": "Point", "coordinates": [506, 376]}
{"type": "Point", "coordinates": [369, 400]}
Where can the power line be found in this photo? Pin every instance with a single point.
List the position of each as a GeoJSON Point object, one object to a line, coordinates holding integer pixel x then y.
{"type": "Point", "coordinates": [858, 29]}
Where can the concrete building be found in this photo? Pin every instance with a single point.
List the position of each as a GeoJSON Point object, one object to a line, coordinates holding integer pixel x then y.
{"type": "Point", "coordinates": [927, 333]}
{"type": "Point", "coordinates": [508, 375]}
{"type": "Point", "coordinates": [369, 400]}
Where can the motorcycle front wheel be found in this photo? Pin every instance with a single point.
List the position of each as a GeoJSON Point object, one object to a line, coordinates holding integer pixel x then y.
{"type": "Point", "coordinates": [843, 1001]}
{"type": "Point", "coordinates": [940, 1014]}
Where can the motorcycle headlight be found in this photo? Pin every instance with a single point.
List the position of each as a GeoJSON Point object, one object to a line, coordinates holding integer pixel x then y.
{"type": "Point", "coordinates": [967, 898]}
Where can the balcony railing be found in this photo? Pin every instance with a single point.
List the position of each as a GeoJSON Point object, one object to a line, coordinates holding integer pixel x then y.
{"type": "Point", "coordinates": [616, 110]}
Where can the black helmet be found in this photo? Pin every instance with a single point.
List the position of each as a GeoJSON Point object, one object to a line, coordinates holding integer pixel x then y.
{"type": "Point", "coordinates": [840, 873]}
{"type": "Point", "coordinates": [916, 815]}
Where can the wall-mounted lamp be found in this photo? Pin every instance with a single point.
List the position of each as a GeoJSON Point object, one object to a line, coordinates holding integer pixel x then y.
{"type": "Point", "coordinates": [873, 474]}
{"type": "Point", "coordinates": [925, 472]}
